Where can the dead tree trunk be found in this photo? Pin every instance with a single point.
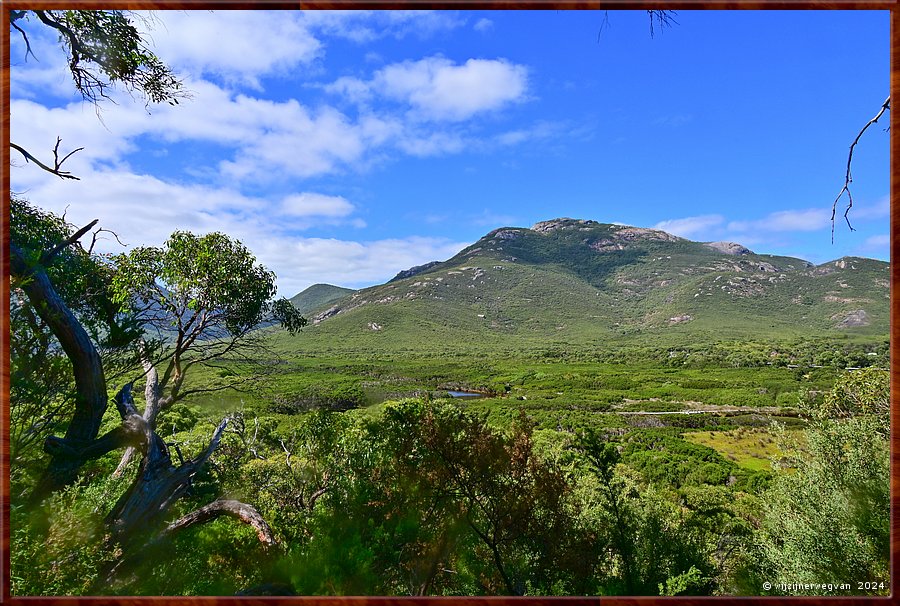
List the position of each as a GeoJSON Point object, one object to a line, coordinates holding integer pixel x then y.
{"type": "Point", "coordinates": [152, 406]}
{"type": "Point", "coordinates": [159, 483]}
{"type": "Point", "coordinates": [242, 512]}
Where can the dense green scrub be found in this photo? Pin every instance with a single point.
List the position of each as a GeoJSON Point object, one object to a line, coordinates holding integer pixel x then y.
{"type": "Point", "coordinates": [557, 482]}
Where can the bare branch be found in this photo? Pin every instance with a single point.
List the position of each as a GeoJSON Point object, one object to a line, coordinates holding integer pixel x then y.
{"type": "Point", "coordinates": [125, 402]}
{"type": "Point", "coordinates": [848, 177]}
{"type": "Point", "coordinates": [56, 170]}
{"type": "Point", "coordinates": [235, 509]}
{"type": "Point", "coordinates": [663, 19]}
{"type": "Point", "coordinates": [213, 444]}
{"type": "Point", "coordinates": [130, 434]}
{"type": "Point", "coordinates": [96, 236]}
{"type": "Point", "coordinates": [240, 511]}
{"type": "Point", "coordinates": [48, 256]}
{"type": "Point", "coordinates": [12, 22]}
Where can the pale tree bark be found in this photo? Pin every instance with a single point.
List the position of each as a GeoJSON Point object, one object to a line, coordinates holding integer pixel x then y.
{"type": "Point", "coordinates": [227, 507]}
{"type": "Point", "coordinates": [152, 405]}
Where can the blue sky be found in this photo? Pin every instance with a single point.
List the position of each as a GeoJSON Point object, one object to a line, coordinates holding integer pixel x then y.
{"type": "Point", "coordinates": [343, 147]}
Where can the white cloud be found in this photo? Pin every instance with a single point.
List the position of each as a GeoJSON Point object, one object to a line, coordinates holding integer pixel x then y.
{"type": "Point", "coordinates": [299, 143]}
{"type": "Point", "coordinates": [699, 227]}
{"type": "Point", "coordinates": [261, 139]}
{"type": "Point", "coordinates": [440, 90]}
{"type": "Point", "coordinates": [241, 46]}
{"type": "Point", "coordinates": [878, 246]}
{"type": "Point", "coordinates": [310, 204]}
{"type": "Point", "coordinates": [881, 209]}
{"type": "Point", "coordinates": [42, 72]}
{"type": "Point", "coordinates": [358, 264]}
{"type": "Point", "coordinates": [879, 241]}
{"type": "Point", "coordinates": [435, 88]}
{"type": "Point", "coordinates": [811, 219]}
{"type": "Point", "coordinates": [352, 89]}
{"type": "Point", "coordinates": [235, 45]}
{"type": "Point", "coordinates": [483, 25]}
{"type": "Point", "coordinates": [51, 78]}
{"type": "Point", "coordinates": [433, 144]}
{"type": "Point", "coordinates": [365, 26]}
{"type": "Point", "coordinates": [144, 210]}
{"type": "Point", "coordinates": [541, 130]}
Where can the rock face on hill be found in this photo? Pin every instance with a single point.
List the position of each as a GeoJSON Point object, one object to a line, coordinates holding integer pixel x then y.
{"type": "Point", "coordinates": [730, 248]}
{"type": "Point", "coordinates": [543, 227]}
{"type": "Point", "coordinates": [580, 279]}
{"type": "Point", "coordinates": [409, 273]}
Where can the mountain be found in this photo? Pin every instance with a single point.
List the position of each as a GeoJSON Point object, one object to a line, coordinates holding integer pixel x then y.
{"type": "Point", "coordinates": [577, 281]}
{"type": "Point", "coordinates": [318, 295]}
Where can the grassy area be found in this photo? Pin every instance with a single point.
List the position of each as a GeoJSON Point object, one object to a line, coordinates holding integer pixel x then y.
{"type": "Point", "coordinates": [751, 448]}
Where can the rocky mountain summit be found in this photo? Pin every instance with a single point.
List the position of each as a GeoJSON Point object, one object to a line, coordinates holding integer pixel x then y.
{"type": "Point", "coordinates": [580, 279]}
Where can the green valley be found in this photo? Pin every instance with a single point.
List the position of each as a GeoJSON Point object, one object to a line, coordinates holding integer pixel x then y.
{"type": "Point", "coordinates": [644, 413]}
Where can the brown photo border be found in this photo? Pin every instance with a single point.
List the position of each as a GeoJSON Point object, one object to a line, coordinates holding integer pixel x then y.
{"type": "Point", "coordinates": [6, 5]}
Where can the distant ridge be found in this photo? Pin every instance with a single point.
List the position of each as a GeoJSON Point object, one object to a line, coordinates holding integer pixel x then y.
{"type": "Point", "coordinates": [574, 280]}
{"type": "Point", "coordinates": [318, 295]}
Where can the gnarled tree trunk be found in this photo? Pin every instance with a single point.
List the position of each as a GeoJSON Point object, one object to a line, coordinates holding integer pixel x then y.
{"type": "Point", "coordinates": [90, 382]}
{"type": "Point", "coordinates": [159, 483]}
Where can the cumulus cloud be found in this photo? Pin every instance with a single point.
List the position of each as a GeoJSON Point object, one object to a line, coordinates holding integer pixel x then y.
{"type": "Point", "coordinates": [263, 43]}
{"type": "Point", "coordinates": [144, 210]}
{"type": "Point", "coordinates": [436, 88]}
{"type": "Point", "coordinates": [259, 43]}
{"type": "Point", "coordinates": [227, 139]}
{"type": "Point", "coordinates": [695, 228]}
{"type": "Point", "coordinates": [261, 139]}
{"type": "Point", "coordinates": [442, 90]}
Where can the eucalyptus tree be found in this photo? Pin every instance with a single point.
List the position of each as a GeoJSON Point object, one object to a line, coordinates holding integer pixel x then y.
{"type": "Point", "coordinates": [830, 516]}
{"type": "Point", "coordinates": [201, 300]}
{"type": "Point", "coordinates": [43, 389]}
{"type": "Point", "coordinates": [68, 305]}
{"type": "Point", "coordinates": [214, 293]}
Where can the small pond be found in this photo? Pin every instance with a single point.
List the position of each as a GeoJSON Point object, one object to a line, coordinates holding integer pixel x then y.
{"type": "Point", "coordinates": [464, 394]}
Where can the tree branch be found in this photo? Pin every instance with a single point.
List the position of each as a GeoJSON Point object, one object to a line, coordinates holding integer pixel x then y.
{"type": "Point", "coordinates": [48, 255]}
{"type": "Point", "coordinates": [848, 177]}
{"type": "Point", "coordinates": [240, 511]}
{"type": "Point", "coordinates": [96, 236]}
{"type": "Point", "coordinates": [90, 382]}
{"type": "Point", "coordinates": [235, 509]}
{"type": "Point", "coordinates": [663, 18]}
{"type": "Point", "coordinates": [62, 174]}
{"type": "Point", "coordinates": [127, 434]}
{"type": "Point", "coordinates": [13, 17]}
